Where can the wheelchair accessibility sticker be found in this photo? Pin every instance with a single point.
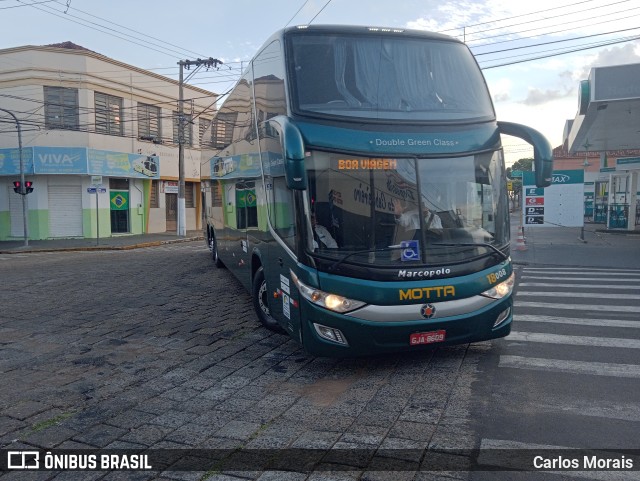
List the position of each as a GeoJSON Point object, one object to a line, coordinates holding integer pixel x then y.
{"type": "Point", "coordinates": [410, 250]}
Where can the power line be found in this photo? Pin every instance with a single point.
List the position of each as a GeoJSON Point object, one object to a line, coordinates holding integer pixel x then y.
{"type": "Point", "coordinates": [101, 29]}
{"type": "Point", "coordinates": [539, 20]}
{"type": "Point", "coordinates": [556, 31]}
{"type": "Point", "coordinates": [555, 41]}
{"type": "Point", "coordinates": [27, 5]}
{"type": "Point", "coordinates": [132, 30]}
{"type": "Point", "coordinates": [592, 46]}
{"type": "Point", "coordinates": [294, 15]}
{"type": "Point", "coordinates": [518, 16]}
{"type": "Point", "coordinates": [319, 12]}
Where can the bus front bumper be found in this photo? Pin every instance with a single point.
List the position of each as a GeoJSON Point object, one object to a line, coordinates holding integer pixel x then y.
{"type": "Point", "coordinates": [362, 337]}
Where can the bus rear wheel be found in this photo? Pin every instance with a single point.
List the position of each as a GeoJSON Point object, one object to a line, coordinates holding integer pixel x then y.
{"type": "Point", "coordinates": [261, 303]}
{"type": "Point", "coordinates": [213, 246]}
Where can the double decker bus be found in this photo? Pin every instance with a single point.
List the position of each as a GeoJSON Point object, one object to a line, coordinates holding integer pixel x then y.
{"type": "Point", "coordinates": [388, 139]}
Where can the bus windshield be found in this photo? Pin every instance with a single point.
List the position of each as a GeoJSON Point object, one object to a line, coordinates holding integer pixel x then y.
{"type": "Point", "coordinates": [406, 212]}
{"type": "Point", "coordinates": [386, 77]}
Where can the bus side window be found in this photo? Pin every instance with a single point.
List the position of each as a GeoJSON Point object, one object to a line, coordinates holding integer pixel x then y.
{"type": "Point", "coordinates": [281, 211]}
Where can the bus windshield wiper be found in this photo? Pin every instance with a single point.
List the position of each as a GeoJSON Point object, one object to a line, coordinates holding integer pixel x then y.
{"type": "Point", "coordinates": [491, 247]}
{"type": "Point", "coordinates": [365, 251]}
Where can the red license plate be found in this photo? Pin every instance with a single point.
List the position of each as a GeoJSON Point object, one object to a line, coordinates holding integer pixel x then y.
{"type": "Point", "coordinates": [418, 338]}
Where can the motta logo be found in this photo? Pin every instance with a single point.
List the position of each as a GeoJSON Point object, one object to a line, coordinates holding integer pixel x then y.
{"type": "Point", "coordinates": [560, 179]}
{"type": "Point", "coordinates": [428, 311]}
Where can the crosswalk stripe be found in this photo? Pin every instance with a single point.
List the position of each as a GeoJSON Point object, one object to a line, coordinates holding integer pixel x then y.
{"type": "Point", "coordinates": [578, 278]}
{"type": "Point", "coordinates": [574, 340]}
{"type": "Point", "coordinates": [578, 321]}
{"type": "Point", "coordinates": [577, 286]}
{"type": "Point", "coordinates": [560, 270]}
{"type": "Point", "coordinates": [588, 295]}
{"type": "Point", "coordinates": [592, 408]}
{"type": "Point", "coordinates": [580, 307]}
{"type": "Point", "coordinates": [572, 367]}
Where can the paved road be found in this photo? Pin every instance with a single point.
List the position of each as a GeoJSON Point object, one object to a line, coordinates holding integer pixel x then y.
{"type": "Point", "coordinates": [568, 376]}
{"type": "Point", "coordinates": [156, 348]}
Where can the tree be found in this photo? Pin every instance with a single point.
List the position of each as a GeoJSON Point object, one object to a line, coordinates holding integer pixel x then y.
{"type": "Point", "coordinates": [522, 164]}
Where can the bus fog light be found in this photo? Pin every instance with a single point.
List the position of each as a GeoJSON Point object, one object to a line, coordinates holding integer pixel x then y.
{"type": "Point", "coordinates": [501, 318]}
{"type": "Point", "coordinates": [330, 334]}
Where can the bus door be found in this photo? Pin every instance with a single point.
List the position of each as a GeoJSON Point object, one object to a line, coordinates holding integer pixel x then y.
{"type": "Point", "coordinates": [281, 261]}
{"type": "Point", "coordinates": [240, 215]}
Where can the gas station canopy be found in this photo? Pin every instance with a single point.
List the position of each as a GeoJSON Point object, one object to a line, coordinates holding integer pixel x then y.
{"type": "Point", "coordinates": [608, 115]}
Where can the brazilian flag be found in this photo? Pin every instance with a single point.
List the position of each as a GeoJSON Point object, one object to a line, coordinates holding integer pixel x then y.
{"type": "Point", "coordinates": [119, 200]}
{"type": "Point", "coordinates": [245, 198]}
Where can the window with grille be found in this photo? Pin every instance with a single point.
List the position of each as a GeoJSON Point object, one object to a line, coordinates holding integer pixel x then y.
{"type": "Point", "coordinates": [61, 108]}
{"type": "Point", "coordinates": [154, 201]}
{"type": "Point", "coordinates": [203, 125]}
{"type": "Point", "coordinates": [148, 122]}
{"type": "Point", "coordinates": [188, 129]}
{"type": "Point", "coordinates": [188, 195]}
{"type": "Point", "coordinates": [108, 114]}
{"type": "Point", "coordinates": [222, 129]}
{"type": "Point", "coordinates": [216, 193]}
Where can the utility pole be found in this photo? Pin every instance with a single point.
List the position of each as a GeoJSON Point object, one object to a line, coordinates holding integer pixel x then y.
{"type": "Point", "coordinates": [207, 63]}
{"type": "Point", "coordinates": [22, 186]}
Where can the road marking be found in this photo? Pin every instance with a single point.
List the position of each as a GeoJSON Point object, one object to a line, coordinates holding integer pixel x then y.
{"type": "Point", "coordinates": [606, 272]}
{"type": "Point", "coordinates": [580, 286]}
{"type": "Point", "coordinates": [579, 307]}
{"type": "Point", "coordinates": [588, 295]}
{"type": "Point", "coordinates": [592, 408]}
{"type": "Point", "coordinates": [571, 367]}
{"type": "Point", "coordinates": [579, 321]}
{"type": "Point", "coordinates": [574, 340]}
{"type": "Point", "coordinates": [579, 278]}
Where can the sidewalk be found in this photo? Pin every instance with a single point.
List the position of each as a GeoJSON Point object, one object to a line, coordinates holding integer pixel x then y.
{"type": "Point", "coordinates": [117, 242]}
{"type": "Point", "coordinates": [562, 246]}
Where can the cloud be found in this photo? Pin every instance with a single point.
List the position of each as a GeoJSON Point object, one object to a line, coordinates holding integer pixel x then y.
{"type": "Point", "coordinates": [627, 53]}
{"type": "Point", "coordinates": [562, 87]}
{"type": "Point", "coordinates": [500, 90]}
{"type": "Point", "coordinates": [538, 96]}
{"type": "Point", "coordinates": [451, 17]}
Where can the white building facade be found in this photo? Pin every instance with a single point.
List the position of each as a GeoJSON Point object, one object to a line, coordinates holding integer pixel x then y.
{"type": "Point", "coordinates": [100, 144]}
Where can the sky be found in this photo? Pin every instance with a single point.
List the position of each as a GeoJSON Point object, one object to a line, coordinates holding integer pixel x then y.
{"type": "Point", "coordinates": [533, 54]}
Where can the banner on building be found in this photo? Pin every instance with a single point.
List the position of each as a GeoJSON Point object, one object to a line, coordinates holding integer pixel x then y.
{"type": "Point", "coordinates": [79, 160]}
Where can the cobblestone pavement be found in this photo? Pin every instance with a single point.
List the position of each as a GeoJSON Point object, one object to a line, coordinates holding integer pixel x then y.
{"type": "Point", "coordinates": [156, 348]}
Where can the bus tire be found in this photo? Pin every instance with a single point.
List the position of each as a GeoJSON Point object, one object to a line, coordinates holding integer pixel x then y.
{"type": "Point", "coordinates": [213, 246]}
{"type": "Point", "coordinates": [260, 297]}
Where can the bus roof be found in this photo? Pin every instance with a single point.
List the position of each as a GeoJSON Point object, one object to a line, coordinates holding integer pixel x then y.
{"type": "Point", "coordinates": [358, 29]}
{"type": "Point", "coordinates": [364, 29]}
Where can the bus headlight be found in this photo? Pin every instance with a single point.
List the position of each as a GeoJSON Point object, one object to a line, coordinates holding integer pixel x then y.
{"type": "Point", "coordinates": [333, 302]}
{"type": "Point", "coordinates": [503, 289]}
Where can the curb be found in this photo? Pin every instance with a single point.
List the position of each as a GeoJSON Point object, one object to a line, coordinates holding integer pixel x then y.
{"type": "Point", "coordinates": [104, 247]}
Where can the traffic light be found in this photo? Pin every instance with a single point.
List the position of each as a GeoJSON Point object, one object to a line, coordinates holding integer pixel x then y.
{"type": "Point", "coordinates": [18, 189]}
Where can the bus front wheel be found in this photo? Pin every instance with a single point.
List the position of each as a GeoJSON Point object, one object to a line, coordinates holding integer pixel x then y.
{"type": "Point", "coordinates": [261, 302]}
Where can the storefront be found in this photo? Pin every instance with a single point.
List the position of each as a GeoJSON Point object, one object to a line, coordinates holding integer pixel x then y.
{"type": "Point", "coordinates": [75, 190]}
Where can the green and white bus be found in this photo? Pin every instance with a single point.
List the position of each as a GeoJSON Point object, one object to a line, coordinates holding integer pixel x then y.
{"type": "Point", "coordinates": [388, 139]}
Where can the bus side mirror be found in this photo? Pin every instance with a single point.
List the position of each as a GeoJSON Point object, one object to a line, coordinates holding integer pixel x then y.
{"type": "Point", "coordinates": [542, 152]}
{"type": "Point", "coordinates": [292, 144]}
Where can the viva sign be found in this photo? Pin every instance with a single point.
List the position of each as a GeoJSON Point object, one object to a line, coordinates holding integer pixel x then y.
{"type": "Point", "coordinates": [78, 160]}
